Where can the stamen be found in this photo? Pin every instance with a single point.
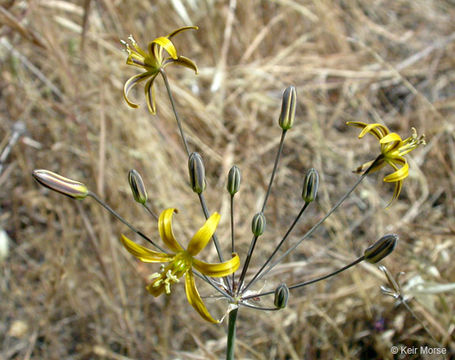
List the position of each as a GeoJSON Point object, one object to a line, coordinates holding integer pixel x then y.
{"type": "Point", "coordinates": [167, 287]}
{"type": "Point", "coordinates": [154, 276]}
{"type": "Point", "coordinates": [131, 39]}
{"type": "Point", "coordinates": [171, 276]}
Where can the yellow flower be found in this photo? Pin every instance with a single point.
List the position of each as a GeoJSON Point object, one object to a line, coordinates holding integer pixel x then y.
{"type": "Point", "coordinates": [152, 61]}
{"type": "Point", "coordinates": [393, 149]}
{"type": "Point", "coordinates": [181, 262]}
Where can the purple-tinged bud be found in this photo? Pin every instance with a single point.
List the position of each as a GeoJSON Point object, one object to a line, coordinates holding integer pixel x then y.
{"type": "Point", "coordinates": [73, 189]}
{"type": "Point", "coordinates": [137, 187]}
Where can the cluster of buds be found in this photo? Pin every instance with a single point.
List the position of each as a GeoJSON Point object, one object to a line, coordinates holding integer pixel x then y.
{"type": "Point", "coordinates": [235, 288]}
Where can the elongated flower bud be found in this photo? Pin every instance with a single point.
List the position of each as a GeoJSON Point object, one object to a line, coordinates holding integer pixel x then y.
{"type": "Point", "coordinates": [258, 224]}
{"type": "Point", "coordinates": [381, 248]}
{"type": "Point", "coordinates": [288, 106]}
{"type": "Point", "coordinates": [233, 183]}
{"type": "Point", "coordinates": [137, 187]}
{"type": "Point", "coordinates": [310, 185]}
{"type": "Point", "coordinates": [281, 296]}
{"type": "Point", "coordinates": [60, 184]}
{"type": "Point", "coordinates": [197, 172]}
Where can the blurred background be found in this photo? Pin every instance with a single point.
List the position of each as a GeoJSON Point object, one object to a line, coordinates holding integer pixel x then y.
{"type": "Point", "coordinates": [70, 291]}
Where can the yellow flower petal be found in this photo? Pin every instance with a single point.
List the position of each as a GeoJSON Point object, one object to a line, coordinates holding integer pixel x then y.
{"type": "Point", "coordinates": [166, 44]}
{"type": "Point", "coordinates": [144, 254]}
{"type": "Point", "coordinates": [130, 83]}
{"type": "Point", "coordinates": [183, 61]}
{"type": "Point", "coordinates": [150, 94]}
{"type": "Point", "coordinates": [219, 269]}
{"type": "Point", "coordinates": [399, 174]}
{"type": "Point", "coordinates": [165, 229]}
{"type": "Point", "coordinates": [179, 30]}
{"type": "Point", "coordinates": [195, 299]}
{"type": "Point", "coordinates": [396, 192]}
{"type": "Point", "coordinates": [378, 130]}
{"type": "Point", "coordinates": [390, 138]}
{"type": "Point", "coordinates": [203, 235]}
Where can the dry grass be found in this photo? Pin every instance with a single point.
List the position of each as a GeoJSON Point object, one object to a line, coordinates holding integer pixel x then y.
{"type": "Point", "coordinates": [69, 291]}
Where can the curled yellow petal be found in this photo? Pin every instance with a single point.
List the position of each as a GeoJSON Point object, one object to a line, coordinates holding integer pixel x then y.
{"type": "Point", "coordinates": [217, 269]}
{"type": "Point", "coordinates": [378, 130]}
{"type": "Point", "coordinates": [183, 61]}
{"type": "Point", "coordinates": [390, 138]}
{"type": "Point", "coordinates": [203, 235]}
{"type": "Point", "coordinates": [165, 229]}
{"type": "Point", "coordinates": [399, 174]}
{"type": "Point", "coordinates": [166, 44]}
{"type": "Point", "coordinates": [130, 83]}
{"type": "Point", "coordinates": [396, 192]}
{"type": "Point", "coordinates": [144, 254]}
{"type": "Point", "coordinates": [179, 30]}
{"type": "Point", "coordinates": [195, 299]}
{"type": "Point", "coordinates": [150, 94]}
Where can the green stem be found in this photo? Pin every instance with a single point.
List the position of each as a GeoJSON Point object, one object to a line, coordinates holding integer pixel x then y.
{"type": "Point", "coordinates": [174, 110]}
{"type": "Point", "coordinates": [305, 283]}
{"type": "Point", "coordinates": [296, 220]}
{"type": "Point", "coordinates": [310, 232]}
{"type": "Point", "coordinates": [187, 149]}
{"type": "Point", "coordinates": [249, 255]}
{"type": "Point", "coordinates": [113, 212]}
{"type": "Point", "coordinates": [231, 334]}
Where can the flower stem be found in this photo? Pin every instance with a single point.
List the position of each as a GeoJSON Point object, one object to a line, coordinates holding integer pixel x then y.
{"type": "Point", "coordinates": [113, 212]}
{"type": "Point", "coordinates": [232, 239]}
{"type": "Point", "coordinates": [275, 165]}
{"type": "Point", "coordinates": [214, 237]}
{"type": "Point", "coordinates": [231, 334]}
{"type": "Point", "coordinates": [187, 149]}
{"type": "Point", "coordinates": [255, 238]}
{"type": "Point", "coordinates": [312, 230]}
{"type": "Point", "coordinates": [305, 283]}
{"type": "Point", "coordinates": [174, 109]}
{"type": "Point", "coordinates": [278, 247]}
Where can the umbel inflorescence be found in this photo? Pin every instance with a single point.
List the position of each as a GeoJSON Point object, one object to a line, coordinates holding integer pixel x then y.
{"type": "Point", "coordinates": [179, 259]}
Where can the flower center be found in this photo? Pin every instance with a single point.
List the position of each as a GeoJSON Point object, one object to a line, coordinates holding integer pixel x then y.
{"type": "Point", "coordinates": [395, 149]}
{"type": "Point", "coordinates": [411, 143]}
{"type": "Point", "coordinates": [170, 273]}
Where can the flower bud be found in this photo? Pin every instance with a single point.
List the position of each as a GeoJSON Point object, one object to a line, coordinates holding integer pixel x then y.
{"type": "Point", "coordinates": [281, 296]}
{"type": "Point", "coordinates": [310, 185]}
{"type": "Point", "coordinates": [234, 177]}
{"type": "Point", "coordinates": [137, 187]}
{"type": "Point", "coordinates": [288, 105]}
{"type": "Point", "coordinates": [381, 248]}
{"type": "Point", "coordinates": [197, 172]}
{"type": "Point", "coordinates": [258, 224]}
{"type": "Point", "coordinates": [60, 184]}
